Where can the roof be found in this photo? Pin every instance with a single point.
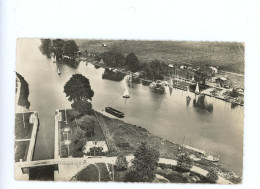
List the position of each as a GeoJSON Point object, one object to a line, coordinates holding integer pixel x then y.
{"type": "Point", "coordinates": [223, 78]}
{"type": "Point", "coordinates": [91, 144]}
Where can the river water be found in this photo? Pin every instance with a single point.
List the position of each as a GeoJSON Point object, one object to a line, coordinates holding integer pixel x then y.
{"type": "Point", "coordinates": [219, 132]}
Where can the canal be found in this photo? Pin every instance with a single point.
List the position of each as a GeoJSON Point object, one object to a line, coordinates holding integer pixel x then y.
{"type": "Point", "coordinates": [219, 132]}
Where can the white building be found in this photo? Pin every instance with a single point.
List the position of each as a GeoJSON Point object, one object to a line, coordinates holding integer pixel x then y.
{"type": "Point", "coordinates": [215, 70]}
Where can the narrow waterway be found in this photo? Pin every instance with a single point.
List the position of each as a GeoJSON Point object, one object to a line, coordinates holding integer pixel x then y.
{"type": "Point", "coordinates": [219, 132]}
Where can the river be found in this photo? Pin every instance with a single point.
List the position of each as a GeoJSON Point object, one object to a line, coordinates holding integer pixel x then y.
{"type": "Point", "coordinates": [219, 132]}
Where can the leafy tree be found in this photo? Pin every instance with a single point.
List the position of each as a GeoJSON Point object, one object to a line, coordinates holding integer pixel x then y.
{"type": "Point", "coordinates": [113, 59]}
{"type": "Point", "coordinates": [121, 163]}
{"type": "Point", "coordinates": [87, 124]}
{"type": "Point", "coordinates": [70, 48]}
{"type": "Point", "coordinates": [77, 142]}
{"type": "Point", "coordinates": [58, 46]}
{"type": "Point", "coordinates": [96, 151]}
{"type": "Point", "coordinates": [144, 164]}
{"type": "Point", "coordinates": [46, 47]}
{"type": "Point", "coordinates": [202, 74]}
{"type": "Point", "coordinates": [132, 62]}
{"type": "Point", "coordinates": [24, 92]}
{"type": "Point", "coordinates": [184, 162]}
{"type": "Point", "coordinates": [78, 88]}
{"type": "Point", "coordinates": [212, 175]}
{"type": "Point", "coordinates": [234, 93]}
{"type": "Point", "coordinates": [82, 105]}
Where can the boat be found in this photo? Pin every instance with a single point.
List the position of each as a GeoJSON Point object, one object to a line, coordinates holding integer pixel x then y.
{"type": "Point", "coordinates": [126, 93]}
{"type": "Point", "coordinates": [114, 112]}
{"type": "Point", "coordinates": [197, 90]}
{"type": "Point", "coordinates": [54, 61]}
{"type": "Point", "coordinates": [211, 158]}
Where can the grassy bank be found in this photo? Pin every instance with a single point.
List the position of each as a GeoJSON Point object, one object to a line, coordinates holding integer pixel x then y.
{"type": "Point", "coordinates": [229, 56]}
{"type": "Point", "coordinates": [23, 128]}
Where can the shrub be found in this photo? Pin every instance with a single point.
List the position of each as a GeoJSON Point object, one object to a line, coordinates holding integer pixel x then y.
{"type": "Point", "coordinates": [184, 162]}
{"type": "Point", "coordinates": [212, 175]}
{"type": "Point", "coordinates": [121, 163]}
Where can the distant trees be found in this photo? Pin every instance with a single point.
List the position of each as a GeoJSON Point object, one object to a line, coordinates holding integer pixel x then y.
{"type": "Point", "coordinates": [24, 92]}
{"type": "Point", "coordinates": [46, 47]}
{"type": "Point", "coordinates": [121, 162]}
{"type": "Point", "coordinates": [132, 62]}
{"type": "Point", "coordinates": [212, 175]}
{"type": "Point", "coordinates": [202, 74]}
{"type": "Point", "coordinates": [113, 58]}
{"type": "Point", "coordinates": [155, 70]}
{"type": "Point", "coordinates": [70, 48]}
{"type": "Point", "coordinates": [144, 164]}
{"type": "Point", "coordinates": [184, 162]}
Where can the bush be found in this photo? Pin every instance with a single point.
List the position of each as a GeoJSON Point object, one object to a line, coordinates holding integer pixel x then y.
{"type": "Point", "coordinates": [212, 175]}
{"type": "Point", "coordinates": [121, 163]}
{"type": "Point", "coordinates": [123, 145]}
{"type": "Point", "coordinates": [184, 163]}
{"type": "Point", "coordinates": [72, 114]}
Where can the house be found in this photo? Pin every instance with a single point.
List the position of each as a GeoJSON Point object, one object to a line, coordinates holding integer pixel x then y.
{"type": "Point", "coordinates": [183, 67]}
{"type": "Point", "coordinates": [214, 70]}
{"type": "Point", "coordinates": [104, 45]}
{"type": "Point", "coordinates": [91, 144]}
{"type": "Point", "coordinates": [170, 65]}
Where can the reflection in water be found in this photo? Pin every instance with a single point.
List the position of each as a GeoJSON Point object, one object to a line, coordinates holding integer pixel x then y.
{"type": "Point", "coordinates": [188, 101]}
{"type": "Point", "coordinates": [201, 103]}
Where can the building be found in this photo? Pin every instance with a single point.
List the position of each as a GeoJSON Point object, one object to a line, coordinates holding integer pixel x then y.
{"type": "Point", "coordinates": [214, 70]}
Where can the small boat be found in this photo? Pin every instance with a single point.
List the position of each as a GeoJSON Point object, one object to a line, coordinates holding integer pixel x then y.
{"type": "Point", "coordinates": [126, 94]}
{"type": "Point", "coordinates": [114, 112]}
{"type": "Point", "coordinates": [211, 158]}
{"type": "Point", "coordinates": [54, 61]}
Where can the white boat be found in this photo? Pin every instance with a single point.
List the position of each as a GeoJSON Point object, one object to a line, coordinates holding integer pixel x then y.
{"type": "Point", "coordinates": [126, 94]}
{"type": "Point", "coordinates": [54, 60]}
{"type": "Point", "coordinates": [211, 158]}
{"type": "Point", "coordinates": [197, 90]}
{"type": "Point", "coordinates": [170, 83]}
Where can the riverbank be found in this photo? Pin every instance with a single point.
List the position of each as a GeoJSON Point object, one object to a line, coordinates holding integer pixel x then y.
{"type": "Point", "coordinates": [125, 138]}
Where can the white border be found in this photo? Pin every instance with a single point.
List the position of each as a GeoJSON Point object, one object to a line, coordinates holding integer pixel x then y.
{"type": "Point", "coordinates": [218, 20]}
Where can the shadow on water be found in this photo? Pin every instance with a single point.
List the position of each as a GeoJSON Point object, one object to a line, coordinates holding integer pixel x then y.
{"type": "Point", "coordinates": [201, 103]}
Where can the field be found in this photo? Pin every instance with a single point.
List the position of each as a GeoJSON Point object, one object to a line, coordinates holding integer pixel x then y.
{"type": "Point", "coordinates": [23, 130]}
{"type": "Point", "coordinates": [229, 56]}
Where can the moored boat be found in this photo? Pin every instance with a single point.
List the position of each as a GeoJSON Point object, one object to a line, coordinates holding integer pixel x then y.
{"type": "Point", "coordinates": [114, 112]}
{"type": "Point", "coordinates": [211, 158]}
{"type": "Point", "coordinates": [126, 94]}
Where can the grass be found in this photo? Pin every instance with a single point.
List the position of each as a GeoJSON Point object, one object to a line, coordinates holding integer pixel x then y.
{"type": "Point", "coordinates": [90, 173]}
{"type": "Point", "coordinates": [120, 132]}
{"type": "Point", "coordinates": [21, 150]}
{"type": "Point", "coordinates": [228, 55]}
{"type": "Point", "coordinates": [22, 132]}
{"type": "Point", "coordinates": [104, 174]}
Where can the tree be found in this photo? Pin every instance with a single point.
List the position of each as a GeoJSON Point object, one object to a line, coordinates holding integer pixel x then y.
{"type": "Point", "coordinates": [121, 163]}
{"type": "Point", "coordinates": [202, 74]}
{"type": "Point", "coordinates": [132, 62]}
{"type": "Point", "coordinates": [96, 151]}
{"type": "Point", "coordinates": [87, 124]}
{"type": "Point", "coordinates": [113, 58]}
{"type": "Point", "coordinates": [144, 164]}
{"type": "Point", "coordinates": [184, 162]}
{"type": "Point", "coordinates": [46, 47]}
{"type": "Point", "coordinates": [58, 45]}
{"type": "Point", "coordinates": [77, 142]}
{"type": "Point", "coordinates": [78, 88]}
{"type": "Point", "coordinates": [24, 92]}
{"type": "Point", "coordinates": [212, 175]}
{"type": "Point", "coordinates": [70, 48]}
{"type": "Point", "coordinates": [82, 105]}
